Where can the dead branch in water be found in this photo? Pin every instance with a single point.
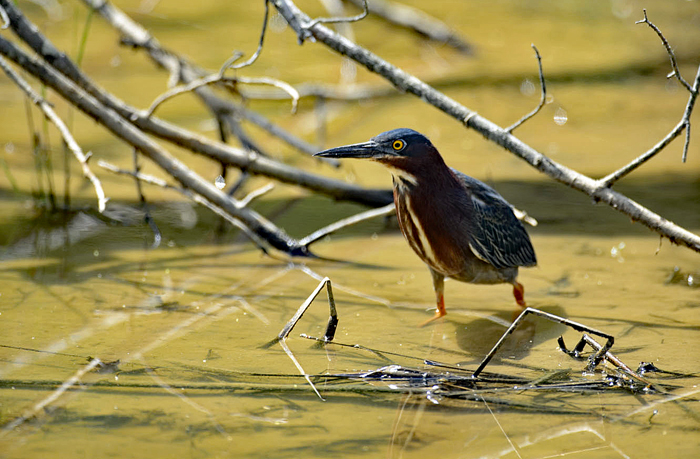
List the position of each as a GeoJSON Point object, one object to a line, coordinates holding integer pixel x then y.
{"type": "Point", "coordinates": [458, 382]}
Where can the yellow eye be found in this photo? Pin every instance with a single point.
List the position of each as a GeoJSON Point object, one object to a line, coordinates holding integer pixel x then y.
{"type": "Point", "coordinates": [398, 145]}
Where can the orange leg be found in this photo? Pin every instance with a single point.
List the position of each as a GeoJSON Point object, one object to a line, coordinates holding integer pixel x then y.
{"type": "Point", "coordinates": [519, 294]}
{"type": "Point", "coordinates": [439, 286]}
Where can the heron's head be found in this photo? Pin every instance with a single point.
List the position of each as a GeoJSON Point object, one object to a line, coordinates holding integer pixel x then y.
{"type": "Point", "coordinates": [399, 148]}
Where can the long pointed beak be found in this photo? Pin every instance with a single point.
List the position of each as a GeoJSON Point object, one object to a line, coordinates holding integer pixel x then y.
{"type": "Point", "coordinates": [367, 149]}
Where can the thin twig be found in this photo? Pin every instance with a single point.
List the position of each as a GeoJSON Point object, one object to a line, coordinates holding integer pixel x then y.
{"type": "Point", "coordinates": [669, 50]}
{"type": "Point", "coordinates": [258, 51]}
{"type": "Point", "coordinates": [346, 222]}
{"type": "Point", "coordinates": [68, 384]}
{"type": "Point", "coordinates": [359, 17]}
{"type": "Point", "coordinates": [230, 81]}
{"type": "Point", "coordinates": [255, 194]}
{"type": "Point", "coordinates": [62, 128]}
{"type": "Point", "coordinates": [284, 86]}
{"type": "Point", "coordinates": [332, 319]}
{"type": "Point", "coordinates": [543, 99]}
{"type": "Point", "coordinates": [686, 144]}
{"type": "Point", "coordinates": [516, 450]}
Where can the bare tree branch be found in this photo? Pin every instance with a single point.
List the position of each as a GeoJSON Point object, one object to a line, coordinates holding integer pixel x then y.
{"type": "Point", "coordinates": [222, 153]}
{"type": "Point", "coordinates": [684, 123]}
{"type": "Point", "coordinates": [183, 71]}
{"type": "Point", "coordinates": [389, 209]}
{"type": "Point", "coordinates": [255, 194]}
{"type": "Point", "coordinates": [543, 98]}
{"type": "Point", "coordinates": [409, 83]}
{"type": "Point", "coordinates": [62, 128]}
{"type": "Point", "coordinates": [119, 126]}
{"type": "Point", "coordinates": [418, 21]}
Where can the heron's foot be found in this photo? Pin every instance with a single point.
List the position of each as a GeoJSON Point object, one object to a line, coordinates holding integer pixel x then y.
{"type": "Point", "coordinates": [519, 294]}
{"type": "Point", "coordinates": [438, 314]}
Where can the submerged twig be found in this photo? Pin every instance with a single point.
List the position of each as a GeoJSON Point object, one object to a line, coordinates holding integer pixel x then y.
{"type": "Point", "coordinates": [543, 97]}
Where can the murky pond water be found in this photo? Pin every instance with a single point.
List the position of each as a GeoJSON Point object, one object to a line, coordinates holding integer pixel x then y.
{"type": "Point", "coordinates": [179, 331]}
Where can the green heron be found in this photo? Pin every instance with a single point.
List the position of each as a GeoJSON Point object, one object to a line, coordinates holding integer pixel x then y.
{"type": "Point", "coordinates": [460, 227]}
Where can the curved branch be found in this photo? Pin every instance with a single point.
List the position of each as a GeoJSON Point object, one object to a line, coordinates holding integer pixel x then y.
{"type": "Point", "coordinates": [359, 17]}
{"type": "Point", "coordinates": [491, 131]}
{"type": "Point", "coordinates": [669, 50]}
{"type": "Point", "coordinates": [543, 98]}
{"type": "Point", "coordinates": [63, 129]}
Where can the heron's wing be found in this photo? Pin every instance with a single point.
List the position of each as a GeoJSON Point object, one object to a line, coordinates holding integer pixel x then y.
{"type": "Point", "coordinates": [496, 235]}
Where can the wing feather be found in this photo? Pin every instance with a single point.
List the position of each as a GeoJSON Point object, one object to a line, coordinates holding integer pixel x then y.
{"type": "Point", "coordinates": [496, 235]}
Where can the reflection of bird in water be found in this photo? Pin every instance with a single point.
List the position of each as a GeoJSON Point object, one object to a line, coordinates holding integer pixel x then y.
{"type": "Point", "coordinates": [478, 337]}
{"type": "Point", "coordinates": [460, 227]}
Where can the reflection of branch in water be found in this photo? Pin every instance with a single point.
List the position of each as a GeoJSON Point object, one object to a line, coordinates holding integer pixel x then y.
{"type": "Point", "coordinates": [498, 423]}
{"type": "Point", "coordinates": [166, 387]}
{"type": "Point", "coordinates": [558, 432]}
{"type": "Point", "coordinates": [36, 409]}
